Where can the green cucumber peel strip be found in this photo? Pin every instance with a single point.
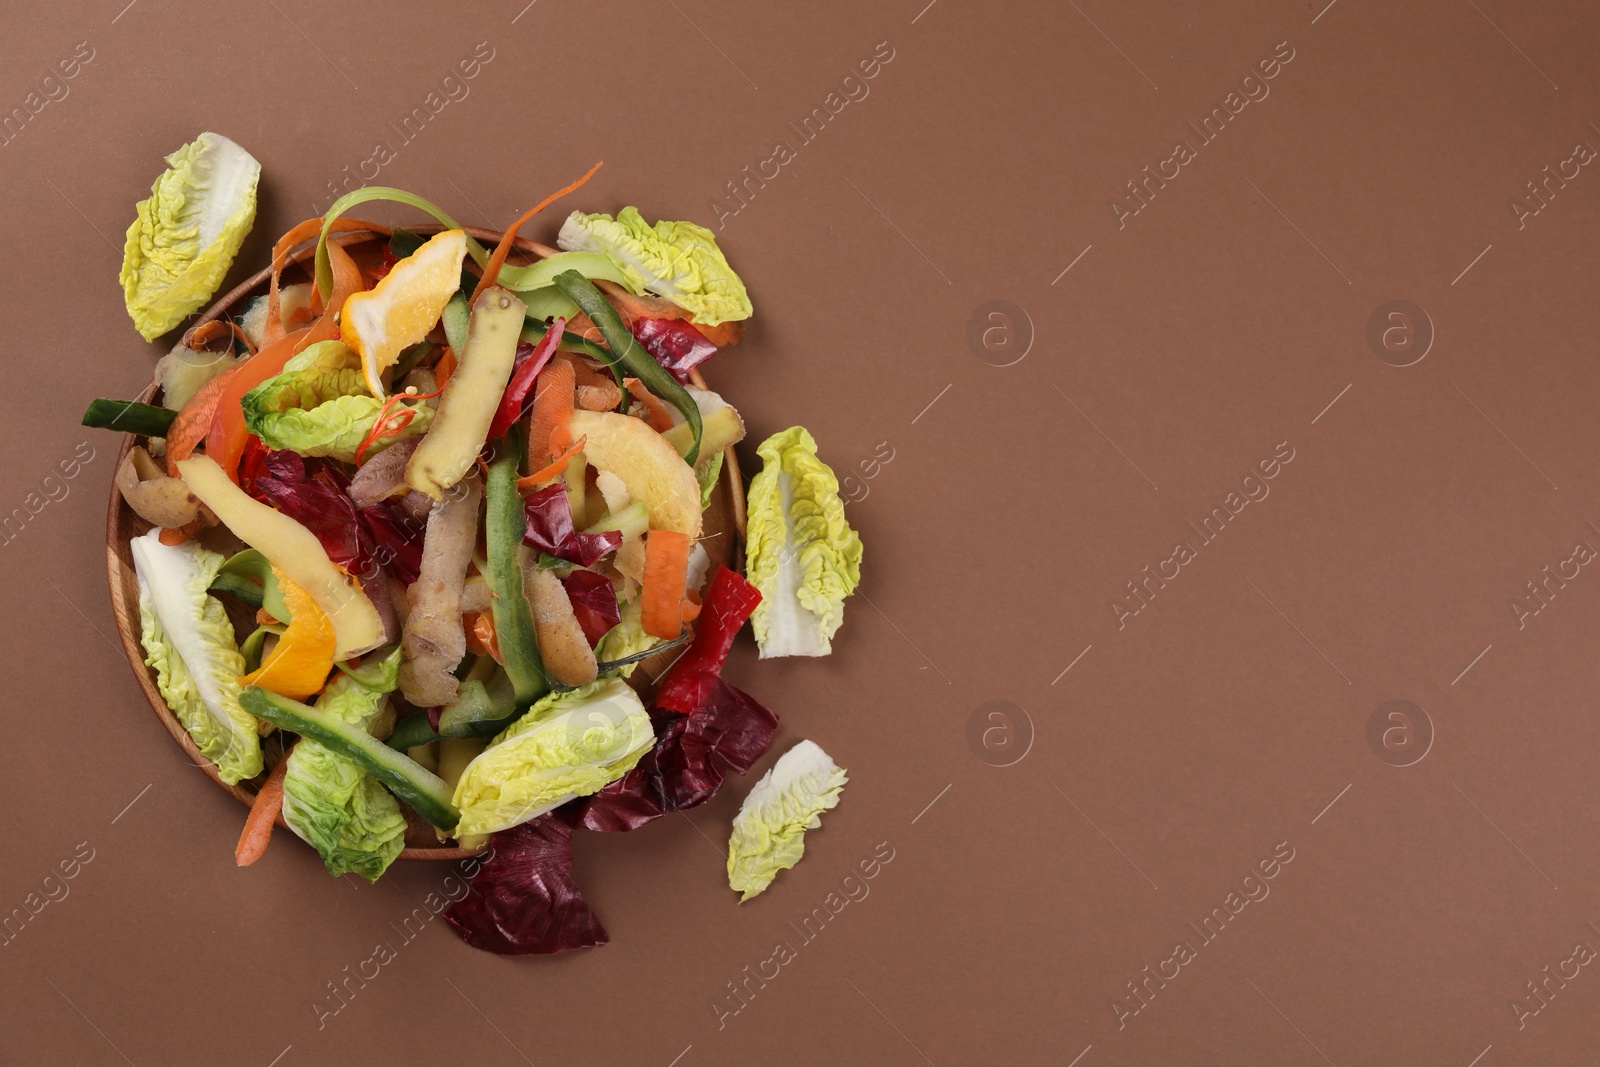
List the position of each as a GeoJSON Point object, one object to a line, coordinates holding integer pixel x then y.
{"type": "Point", "coordinates": [248, 576]}
{"type": "Point", "coordinates": [505, 521]}
{"type": "Point", "coordinates": [483, 709]}
{"type": "Point", "coordinates": [548, 303]}
{"type": "Point", "coordinates": [251, 647]}
{"type": "Point", "coordinates": [411, 733]}
{"type": "Point", "coordinates": [479, 254]}
{"type": "Point", "coordinates": [542, 274]}
{"type": "Point", "coordinates": [246, 589]}
{"type": "Point", "coordinates": [457, 317]}
{"type": "Point", "coordinates": [129, 416]}
{"type": "Point", "coordinates": [630, 354]}
{"type": "Point", "coordinates": [425, 791]}
{"type": "Point", "coordinates": [370, 674]}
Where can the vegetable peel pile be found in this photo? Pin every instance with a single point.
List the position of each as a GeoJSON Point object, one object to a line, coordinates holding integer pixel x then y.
{"type": "Point", "coordinates": [472, 494]}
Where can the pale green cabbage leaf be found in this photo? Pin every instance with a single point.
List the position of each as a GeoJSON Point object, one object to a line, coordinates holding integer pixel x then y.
{"type": "Point", "coordinates": [188, 639]}
{"type": "Point", "coordinates": [769, 831]}
{"type": "Point", "coordinates": [626, 638]}
{"type": "Point", "coordinates": [706, 472]}
{"type": "Point", "coordinates": [801, 552]}
{"type": "Point", "coordinates": [324, 371]}
{"type": "Point", "coordinates": [569, 744]}
{"type": "Point", "coordinates": [182, 372]}
{"type": "Point", "coordinates": [677, 260]}
{"type": "Point", "coordinates": [186, 234]}
{"type": "Point", "coordinates": [330, 802]}
{"type": "Point", "coordinates": [319, 405]}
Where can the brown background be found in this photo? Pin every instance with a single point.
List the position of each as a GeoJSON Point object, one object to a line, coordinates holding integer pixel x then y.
{"type": "Point", "coordinates": [1176, 353]}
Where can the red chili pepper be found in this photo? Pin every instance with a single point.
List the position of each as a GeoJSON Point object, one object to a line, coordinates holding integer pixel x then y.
{"type": "Point", "coordinates": [728, 603]}
{"type": "Point", "coordinates": [522, 380]}
{"type": "Point", "coordinates": [391, 423]}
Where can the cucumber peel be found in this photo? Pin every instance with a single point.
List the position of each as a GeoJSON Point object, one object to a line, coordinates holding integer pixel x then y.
{"type": "Point", "coordinates": [505, 520]}
{"type": "Point", "coordinates": [425, 791]}
{"type": "Point", "coordinates": [130, 416]}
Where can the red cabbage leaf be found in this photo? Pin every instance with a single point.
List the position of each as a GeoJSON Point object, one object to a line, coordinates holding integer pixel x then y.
{"type": "Point", "coordinates": [594, 602]}
{"type": "Point", "coordinates": [727, 731]}
{"type": "Point", "coordinates": [523, 900]}
{"type": "Point", "coordinates": [675, 344]}
{"type": "Point", "coordinates": [550, 529]}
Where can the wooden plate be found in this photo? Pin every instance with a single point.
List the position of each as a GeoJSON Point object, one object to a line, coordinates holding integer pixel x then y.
{"type": "Point", "coordinates": [723, 528]}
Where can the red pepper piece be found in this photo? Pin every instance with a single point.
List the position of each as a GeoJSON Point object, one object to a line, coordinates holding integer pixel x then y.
{"type": "Point", "coordinates": [728, 603]}
{"type": "Point", "coordinates": [522, 379]}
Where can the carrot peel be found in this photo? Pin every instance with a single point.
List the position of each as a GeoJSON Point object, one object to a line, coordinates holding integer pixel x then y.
{"type": "Point", "coordinates": [556, 466]}
{"type": "Point", "coordinates": [264, 811]}
{"type": "Point", "coordinates": [552, 410]}
{"type": "Point", "coordinates": [491, 271]}
{"type": "Point", "coordinates": [482, 639]}
{"type": "Point", "coordinates": [666, 573]}
{"type": "Point", "coordinates": [659, 418]}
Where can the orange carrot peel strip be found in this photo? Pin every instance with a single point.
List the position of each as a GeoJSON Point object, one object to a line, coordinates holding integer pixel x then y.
{"type": "Point", "coordinates": [556, 466]}
{"type": "Point", "coordinates": [264, 811]}
{"type": "Point", "coordinates": [445, 368]}
{"type": "Point", "coordinates": [177, 535]}
{"type": "Point", "coordinates": [306, 231]}
{"type": "Point", "coordinates": [666, 574]}
{"type": "Point", "coordinates": [347, 279]}
{"type": "Point", "coordinates": [482, 639]}
{"type": "Point", "coordinates": [225, 434]}
{"type": "Point", "coordinates": [491, 271]}
{"type": "Point", "coordinates": [549, 430]}
{"type": "Point", "coordinates": [194, 421]}
{"type": "Point", "coordinates": [691, 606]}
{"type": "Point", "coordinates": [202, 335]}
{"type": "Point", "coordinates": [659, 418]}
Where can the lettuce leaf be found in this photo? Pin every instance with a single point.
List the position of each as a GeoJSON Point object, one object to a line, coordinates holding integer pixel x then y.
{"type": "Point", "coordinates": [335, 429]}
{"type": "Point", "coordinates": [769, 831]}
{"type": "Point", "coordinates": [318, 405]}
{"type": "Point", "coordinates": [569, 744]}
{"type": "Point", "coordinates": [802, 554]}
{"type": "Point", "coordinates": [329, 801]}
{"type": "Point", "coordinates": [325, 371]}
{"type": "Point", "coordinates": [185, 236]}
{"type": "Point", "coordinates": [356, 695]}
{"type": "Point", "coordinates": [707, 472]}
{"type": "Point", "coordinates": [626, 638]}
{"type": "Point", "coordinates": [183, 371]}
{"type": "Point", "coordinates": [677, 260]}
{"type": "Point", "coordinates": [188, 639]}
